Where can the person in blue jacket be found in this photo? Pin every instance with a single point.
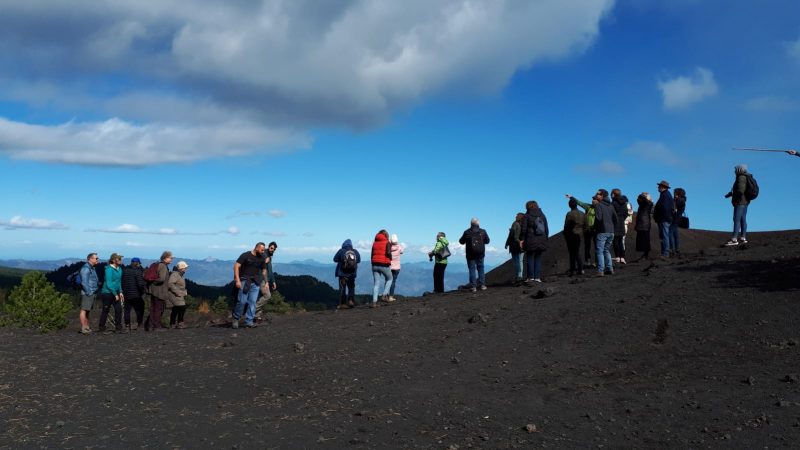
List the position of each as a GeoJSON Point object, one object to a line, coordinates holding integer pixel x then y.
{"type": "Point", "coordinates": [347, 260]}
{"type": "Point", "coordinates": [662, 215]}
{"type": "Point", "coordinates": [89, 284]}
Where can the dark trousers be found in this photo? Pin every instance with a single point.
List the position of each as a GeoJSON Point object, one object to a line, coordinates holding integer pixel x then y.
{"type": "Point", "coordinates": [619, 246]}
{"type": "Point", "coordinates": [574, 249]}
{"type": "Point", "coordinates": [176, 316]}
{"type": "Point", "coordinates": [395, 274]}
{"type": "Point", "coordinates": [438, 277]}
{"type": "Point", "coordinates": [589, 242]}
{"type": "Point", "coordinates": [108, 301]}
{"type": "Point", "coordinates": [156, 311]}
{"type": "Point", "coordinates": [347, 290]}
{"type": "Point", "coordinates": [137, 304]}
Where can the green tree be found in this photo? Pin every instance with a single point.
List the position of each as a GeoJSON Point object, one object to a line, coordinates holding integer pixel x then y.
{"type": "Point", "coordinates": [277, 304]}
{"type": "Point", "coordinates": [35, 303]}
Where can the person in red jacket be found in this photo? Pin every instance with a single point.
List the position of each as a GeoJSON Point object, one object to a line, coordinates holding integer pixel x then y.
{"type": "Point", "coordinates": [381, 266]}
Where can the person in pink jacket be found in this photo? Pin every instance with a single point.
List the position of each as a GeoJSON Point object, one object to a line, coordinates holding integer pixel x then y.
{"type": "Point", "coordinates": [397, 250]}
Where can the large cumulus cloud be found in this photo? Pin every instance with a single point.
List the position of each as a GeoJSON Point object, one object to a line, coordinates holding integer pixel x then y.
{"type": "Point", "coordinates": [162, 70]}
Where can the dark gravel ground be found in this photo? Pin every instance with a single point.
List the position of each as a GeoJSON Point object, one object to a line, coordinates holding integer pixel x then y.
{"type": "Point", "coordinates": [696, 352]}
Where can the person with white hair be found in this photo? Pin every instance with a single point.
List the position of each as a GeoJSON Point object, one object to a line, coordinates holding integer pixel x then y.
{"type": "Point", "coordinates": [475, 239]}
{"type": "Point", "coordinates": [397, 250]}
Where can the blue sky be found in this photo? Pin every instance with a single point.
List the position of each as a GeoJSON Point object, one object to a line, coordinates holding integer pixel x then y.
{"type": "Point", "coordinates": [142, 126]}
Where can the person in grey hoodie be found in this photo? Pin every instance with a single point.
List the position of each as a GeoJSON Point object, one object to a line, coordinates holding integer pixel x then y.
{"type": "Point", "coordinates": [605, 222]}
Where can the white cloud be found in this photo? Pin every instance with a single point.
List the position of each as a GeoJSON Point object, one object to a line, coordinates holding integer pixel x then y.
{"type": "Point", "coordinates": [127, 228]}
{"type": "Point", "coordinates": [232, 230]}
{"type": "Point", "coordinates": [772, 104]}
{"type": "Point", "coordinates": [276, 213]}
{"type": "Point", "coordinates": [653, 151]}
{"type": "Point", "coordinates": [308, 234]}
{"type": "Point", "coordinates": [19, 222]}
{"type": "Point", "coordinates": [683, 91]}
{"type": "Point", "coordinates": [134, 244]}
{"type": "Point", "coordinates": [233, 78]}
{"type": "Point", "coordinates": [604, 167]}
{"type": "Point", "coordinates": [793, 49]}
{"type": "Point", "coordinates": [120, 143]}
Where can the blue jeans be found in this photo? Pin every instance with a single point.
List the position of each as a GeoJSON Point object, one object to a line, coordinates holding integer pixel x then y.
{"type": "Point", "coordinates": [474, 264]}
{"type": "Point", "coordinates": [663, 233]}
{"type": "Point", "coordinates": [250, 298]}
{"type": "Point", "coordinates": [517, 258]}
{"type": "Point", "coordinates": [673, 236]}
{"type": "Point", "coordinates": [740, 221]}
{"type": "Point", "coordinates": [395, 274]}
{"type": "Point", "coordinates": [377, 272]}
{"type": "Point", "coordinates": [603, 251]}
{"type": "Point", "coordinates": [534, 264]}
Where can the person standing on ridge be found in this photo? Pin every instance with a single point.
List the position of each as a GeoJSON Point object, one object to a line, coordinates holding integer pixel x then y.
{"type": "Point", "coordinates": [679, 200]}
{"type": "Point", "coordinates": [620, 204]}
{"type": "Point", "coordinates": [397, 250]}
{"type": "Point", "coordinates": [111, 294]}
{"type": "Point", "coordinates": [605, 223]}
{"type": "Point", "coordinates": [573, 229]}
{"type": "Point", "coordinates": [440, 252]}
{"type": "Point", "coordinates": [347, 260]}
{"type": "Point", "coordinates": [534, 233]}
{"type": "Point", "coordinates": [89, 285]}
{"type": "Point", "coordinates": [248, 271]}
{"type": "Point", "coordinates": [589, 232]}
{"type": "Point", "coordinates": [644, 224]}
{"type": "Point", "coordinates": [740, 202]}
{"type": "Point", "coordinates": [662, 216]}
{"type": "Point", "coordinates": [475, 239]}
{"type": "Point", "coordinates": [133, 289]}
{"type": "Point", "coordinates": [381, 263]}
{"type": "Point", "coordinates": [514, 248]}
{"type": "Point", "coordinates": [158, 293]}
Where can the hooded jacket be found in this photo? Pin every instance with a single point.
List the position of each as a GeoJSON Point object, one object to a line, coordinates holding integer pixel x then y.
{"type": "Point", "coordinates": [605, 220]}
{"type": "Point", "coordinates": [176, 289]}
{"type": "Point", "coordinates": [397, 250]}
{"type": "Point", "coordinates": [532, 242]}
{"type": "Point", "coordinates": [339, 257]}
{"type": "Point", "coordinates": [381, 251]}
{"type": "Point", "coordinates": [440, 244]}
{"type": "Point", "coordinates": [643, 214]}
{"type": "Point", "coordinates": [620, 204]}
{"type": "Point", "coordinates": [740, 186]}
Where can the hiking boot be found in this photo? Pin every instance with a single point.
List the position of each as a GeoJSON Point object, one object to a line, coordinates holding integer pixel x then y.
{"type": "Point", "coordinates": [235, 324]}
{"type": "Point", "coordinates": [374, 305]}
{"type": "Point", "coordinates": [483, 287]}
{"type": "Point", "coordinates": [609, 272]}
{"type": "Point", "coordinates": [351, 304]}
{"type": "Point", "coordinates": [342, 307]}
{"type": "Point", "coordinates": [85, 331]}
{"type": "Point", "coordinates": [732, 242]}
{"type": "Point", "coordinates": [180, 326]}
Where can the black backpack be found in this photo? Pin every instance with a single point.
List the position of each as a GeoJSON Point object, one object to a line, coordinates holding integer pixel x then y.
{"type": "Point", "coordinates": [751, 191]}
{"type": "Point", "coordinates": [349, 261]}
{"type": "Point", "coordinates": [476, 244]}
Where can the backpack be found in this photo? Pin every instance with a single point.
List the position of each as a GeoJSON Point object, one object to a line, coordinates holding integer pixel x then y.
{"type": "Point", "coordinates": [538, 226]}
{"type": "Point", "coordinates": [74, 280]}
{"type": "Point", "coordinates": [349, 261]}
{"type": "Point", "coordinates": [751, 191]}
{"type": "Point", "coordinates": [476, 245]}
{"type": "Point", "coordinates": [151, 273]}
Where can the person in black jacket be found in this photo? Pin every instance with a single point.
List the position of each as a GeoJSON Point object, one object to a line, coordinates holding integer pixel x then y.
{"type": "Point", "coordinates": [475, 239]}
{"type": "Point", "coordinates": [644, 224]}
{"type": "Point", "coordinates": [605, 222]}
{"type": "Point", "coordinates": [662, 215]}
{"type": "Point", "coordinates": [620, 204]}
{"type": "Point", "coordinates": [679, 200]}
{"type": "Point", "coordinates": [133, 292]}
{"type": "Point", "coordinates": [534, 234]}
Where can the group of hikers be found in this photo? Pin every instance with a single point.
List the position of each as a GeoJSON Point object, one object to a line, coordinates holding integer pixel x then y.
{"type": "Point", "coordinates": [601, 224]}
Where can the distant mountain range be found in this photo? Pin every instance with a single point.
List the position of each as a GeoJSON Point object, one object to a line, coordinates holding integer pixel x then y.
{"type": "Point", "coordinates": [415, 278]}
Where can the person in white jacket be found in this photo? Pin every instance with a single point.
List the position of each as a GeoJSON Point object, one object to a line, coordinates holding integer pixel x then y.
{"type": "Point", "coordinates": [397, 250]}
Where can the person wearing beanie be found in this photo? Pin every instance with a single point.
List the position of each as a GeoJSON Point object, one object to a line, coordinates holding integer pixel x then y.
{"type": "Point", "coordinates": [644, 224]}
{"type": "Point", "coordinates": [176, 297]}
{"type": "Point", "coordinates": [662, 215]}
{"type": "Point", "coordinates": [512, 244]}
{"type": "Point", "coordinates": [573, 229]}
{"type": "Point", "coordinates": [133, 286]}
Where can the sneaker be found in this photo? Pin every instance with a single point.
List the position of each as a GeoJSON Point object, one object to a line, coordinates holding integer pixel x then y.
{"type": "Point", "coordinates": [622, 261]}
{"type": "Point", "coordinates": [742, 241]}
{"type": "Point", "coordinates": [373, 305]}
{"type": "Point", "coordinates": [389, 299]}
{"type": "Point", "coordinates": [732, 242]}
{"type": "Point", "coordinates": [135, 327]}
{"type": "Point", "coordinates": [483, 287]}
{"type": "Point", "coordinates": [392, 299]}
{"type": "Point", "coordinates": [599, 274]}
{"type": "Point", "coordinates": [86, 331]}
{"type": "Point", "coordinates": [122, 330]}
{"type": "Point", "coordinates": [342, 307]}
{"type": "Point", "coordinates": [235, 324]}
{"type": "Point", "coordinates": [537, 280]}
{"type": "Point", "coordinates": [251, 325]}
{"type": "Point", "coordinates": [181, 326]}
{"type": "Point", "coordinates": [472, 289]}
{"type": "Point", "coordinates": [609, 272]}
{"type": "Point", "coordinates": [351, 304]}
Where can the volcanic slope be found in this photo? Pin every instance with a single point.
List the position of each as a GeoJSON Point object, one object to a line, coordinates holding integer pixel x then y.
{"type": "Point", "coordinates": [700, 351]}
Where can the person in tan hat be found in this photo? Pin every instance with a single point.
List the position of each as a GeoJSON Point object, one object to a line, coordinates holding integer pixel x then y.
{"type": "Point", "coordinates": [176, 295]}
{"type": "Point", "coordinates": [662, 215]}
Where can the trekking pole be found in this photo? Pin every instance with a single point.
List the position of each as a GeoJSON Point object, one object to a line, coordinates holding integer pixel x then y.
{"type": "Point", "coordinates": [760, 150]}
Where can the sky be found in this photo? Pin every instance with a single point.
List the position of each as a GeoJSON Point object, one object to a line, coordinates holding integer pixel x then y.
{"type": "Point", "coordinates": [203, 127]}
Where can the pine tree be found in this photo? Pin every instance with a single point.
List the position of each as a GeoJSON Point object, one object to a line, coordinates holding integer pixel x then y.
{"type": "Point", "coordinates": [36, 304]}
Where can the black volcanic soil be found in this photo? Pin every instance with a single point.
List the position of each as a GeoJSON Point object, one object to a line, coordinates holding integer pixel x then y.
{"type": "Point", "coordinates": [696, 352]}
